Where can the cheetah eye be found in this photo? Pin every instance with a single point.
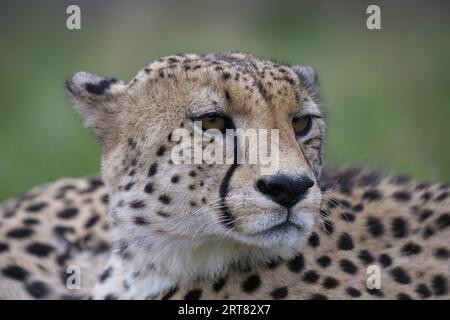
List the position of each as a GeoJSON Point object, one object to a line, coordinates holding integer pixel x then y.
{"type": "Point", "coordinates": [302, 124]}
{"type": "Point", "coordinates": [215, 121]}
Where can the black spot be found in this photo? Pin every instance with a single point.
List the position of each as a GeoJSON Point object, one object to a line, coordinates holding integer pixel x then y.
{"type": "Point", "coordinates": [162, 214]}
{"type": "Point", "coordinates": [328, 226]}
{"type": "Point", "coordinates": [105, 199]}
{"type": "Point", "coordinates": [136, 204]}
{"type": "Point", "coordinates": [30, 221]}
{"type": "Point", "coordinates": [401, 196]}
{"type": "Point", "coordinates": [441, 197]}
{"type": "Point", "coordinates": [110, 297]}
{"type": "Point", "coordinates": [439, 285]}
{"type": "Point", "coordinates": [400, 179]}
{"type": "Point", "coordinates": [219, 284]}
{"type": "Point", "coordinates": [131, 143]}
{"type": "Point", "coordinates": [348, 266]}
{"type": "Point", "coordinates": [385, 260]}
{"type": "Point", "coordinates": [375, 227]}
{"type": "Point", "coordinates": [423, 291]}
{"type": "Point", "coordinates": [324, 261]}
{"type": "Point", "coordinates": [358, 207]}
{"type": "Point", "coordinates": [324, 212]}
{"type": "Point", "coordinates": [105, 275]}
{"type": "Point", "coordinates": [39, 249]}
{"type": "Point", "coordinates": [153, 169]}
{"type": "Point", "coordinates": [334, 203]}
{"type": "Point", "coordinates": [279, 293]}
{"type": "Point", "coordinates": [348, 216]}
{"type": "Point", "coordinates": [330, 283]}
{"type": "Point", "coordinates": [37, 289]}
{"type": "Point", "coordinates": [175, 179]}
{"type": "Point", "coordinates": [428, 232]}
{"type": "Point", "coordinates": [251, 284]}
{"type": "Point", "coordinates": [423, 185]}
{"type": "Point", "coordinates": [399, 227]}
{"type": "Point", "coordinates": [128, 186]}
{"type": "Point", "coordinates": [296, 264]}
{"type": "Point", "coordinates": [310, 277]}
{"type": "Point", "coordinates": [318, 296]}
{"type": "Point", "coordinates": [372, 195]}
{"type": "Point", "coordinates": [94, 184]}
{"type": "Point", "coordinates": [400, 275]}
{"type": "Point", "coordinates": [3, 247]}
{"type": "Point", "coordinates": [226, 75]}
{"type": "Point", "coordinates": [100, 87]}
{"type": "Point", "coordinates": [60, 231]}
{"type": "Point", "coordinates": [170, 293]}
{"type": "Point", "coordinates": [92, 221]}
{"type": "Point", "coordinates": [68, 213]}
{"type": "Point", "coordinates": [442, 253]}
{"type": "Point", "coordinates": [20, 233]}
{"type": "Point", "coordinates": [160, 151]}
{"type": "Point", "coordinates": [164, 199]}
{"type": "Point", "coordinates": [140, 221]}
{"type": "Point", "coordinates": [411, 249]}
{"type": "Point", "coordinates": [370, 179]}
{"type": "Point", "coordinates": [36, 207]}
{"type": "Point", "coordinates": [403, 296]}
{"type": "Point", "coordinates": [15, 272]}
{"type": "Point", "coordinates": [314, 240]}
{"type": "Point", "coordinates": [425, 214]}
{"type": "Point", "coordinates": [366, 257]}
{"type": "Point", "coordinates": [345, 242]}
{"type": "Point", "coordinates": [148, 188]}
{"type": "Point", "coordinates": [425, 196]}
{"type": "Point", "coordinates": [352, 292]}
{"type": "Point", "coordinates": [375, 292]}
{"type": "Point", "coordinates": [443, 221]}
{"type": "Point", "coordinates": [192, 173]}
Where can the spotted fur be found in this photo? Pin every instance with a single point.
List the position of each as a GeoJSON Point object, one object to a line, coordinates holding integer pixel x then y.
{"type": "Point", "coordinates": [151, 229]}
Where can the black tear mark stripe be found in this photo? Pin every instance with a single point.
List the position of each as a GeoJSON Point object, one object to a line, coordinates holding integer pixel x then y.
{"type": "Point", "coordinates": [227, 217]}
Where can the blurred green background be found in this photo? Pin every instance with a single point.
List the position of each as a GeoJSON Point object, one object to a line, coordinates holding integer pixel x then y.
{"type": "Point", "coordinates": [387, 91]}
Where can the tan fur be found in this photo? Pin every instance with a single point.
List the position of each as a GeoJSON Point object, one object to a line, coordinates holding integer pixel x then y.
{"type": "Point", "coordinates": [133, 122]}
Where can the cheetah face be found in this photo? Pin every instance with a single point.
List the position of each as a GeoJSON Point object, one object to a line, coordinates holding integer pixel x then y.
{"type": "Point", "coordinates": [155, 198]}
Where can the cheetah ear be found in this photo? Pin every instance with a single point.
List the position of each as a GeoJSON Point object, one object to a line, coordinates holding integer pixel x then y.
{"type": "Point", "coordinates": [309, 78]}
{"type": "Point", "coordinates": [94, 98]}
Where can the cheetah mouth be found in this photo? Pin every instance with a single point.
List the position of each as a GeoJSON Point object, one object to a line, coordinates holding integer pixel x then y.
{"type": "Point", "coordinates": [277, 229]}
{"type": "Point", "coordinates": [286, 226]}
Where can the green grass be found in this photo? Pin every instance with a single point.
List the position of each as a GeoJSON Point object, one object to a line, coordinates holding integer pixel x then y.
{"type": "Point", "coordinates": [386, 91]}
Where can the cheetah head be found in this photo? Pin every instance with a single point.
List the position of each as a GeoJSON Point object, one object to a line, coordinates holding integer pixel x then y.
{"type": "Point", "coordinates": [214, 211]}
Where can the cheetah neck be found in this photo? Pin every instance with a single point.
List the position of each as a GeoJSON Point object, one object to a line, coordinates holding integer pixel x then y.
{"type": "Point", "coordinates": [146, 270]}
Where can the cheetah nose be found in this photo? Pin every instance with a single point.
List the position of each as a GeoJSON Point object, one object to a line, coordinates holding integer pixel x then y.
{"type": "Point", "coordinates": [283, 189]}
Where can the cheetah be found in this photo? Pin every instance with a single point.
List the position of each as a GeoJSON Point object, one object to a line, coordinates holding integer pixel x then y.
{"type": "Point", "coordinates": [153, 229]}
